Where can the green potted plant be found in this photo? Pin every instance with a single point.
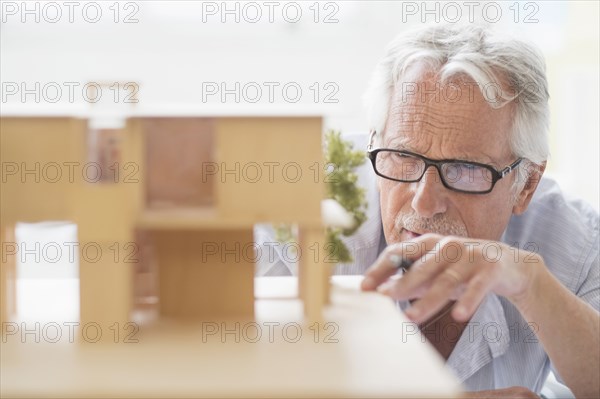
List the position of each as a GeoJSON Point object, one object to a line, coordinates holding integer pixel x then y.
{"type": "Point", "coordinates": [344, 209]}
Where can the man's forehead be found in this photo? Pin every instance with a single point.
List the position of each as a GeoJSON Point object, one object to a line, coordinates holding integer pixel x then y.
{"type": "Point", "coordinates": [421, 145]}
{"type": "Point", "coordinates": [432, 114]}
{"type": "Point", "coordinates": [442, 114]}
{"type": "Point", "coordinates": [454, 122]}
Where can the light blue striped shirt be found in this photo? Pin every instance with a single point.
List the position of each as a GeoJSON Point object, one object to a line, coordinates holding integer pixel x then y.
{"type": "Point", "coordinates": [498, 348]}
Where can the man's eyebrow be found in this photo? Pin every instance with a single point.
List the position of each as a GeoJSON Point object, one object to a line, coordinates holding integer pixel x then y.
{"type": "Point", "coordinates": [400, 143]}
{"type": "Point", "coordinates": [404, 144]}
{"type": "Point", "coordinates": [480, 158]}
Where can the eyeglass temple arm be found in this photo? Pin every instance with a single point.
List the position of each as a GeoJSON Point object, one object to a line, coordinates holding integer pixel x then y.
{"type": "Point", "coordinates": [510, 168]}
{"type": "Point", "coordinates": [371, 137]}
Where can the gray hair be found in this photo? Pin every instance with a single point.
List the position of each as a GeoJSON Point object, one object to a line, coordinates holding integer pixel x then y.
{"type": "Point", "coordinates": [488, 58]}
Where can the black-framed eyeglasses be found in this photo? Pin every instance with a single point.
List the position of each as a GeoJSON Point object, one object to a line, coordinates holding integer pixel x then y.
{"type": "Point", "coordinates": [457, 175]}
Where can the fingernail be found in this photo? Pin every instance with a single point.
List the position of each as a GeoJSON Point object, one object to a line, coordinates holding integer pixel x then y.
{"type": "Point", "coordinates": [368, 283]}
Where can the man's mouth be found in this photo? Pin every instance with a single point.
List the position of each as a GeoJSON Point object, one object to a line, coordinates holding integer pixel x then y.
{"type": "Point", "coordinates": [411, 234]}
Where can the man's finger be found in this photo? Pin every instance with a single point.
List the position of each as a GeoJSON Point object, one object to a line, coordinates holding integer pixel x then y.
{"type": "Point", "coordinates": [422, 273]}
{"type": "Point", "coordinates": [442, 290]}
{"type": "Point", "coordinates": [476, 290]}
{"type": "Point", "coordinates": [386, 266]}
{"type": "Point", "coordinates": [426, 271]}
{"type": "Point", "coordinates": [380, 271]}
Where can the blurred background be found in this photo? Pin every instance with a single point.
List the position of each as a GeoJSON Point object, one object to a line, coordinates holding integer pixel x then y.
{"type": "Point", "coordinates": [286, 57]}
{"type": "Point", "coordinates": [197, 58]}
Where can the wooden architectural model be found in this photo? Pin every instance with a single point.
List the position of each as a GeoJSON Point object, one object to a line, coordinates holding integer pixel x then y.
{"type": "Point", "coordinates": [190, 188]}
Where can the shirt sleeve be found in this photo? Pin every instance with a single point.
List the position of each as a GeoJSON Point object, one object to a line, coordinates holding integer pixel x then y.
{"type": "Point", "coordinates": [589, 282]}
{"type": "Point", "coordinates": [589, 291]}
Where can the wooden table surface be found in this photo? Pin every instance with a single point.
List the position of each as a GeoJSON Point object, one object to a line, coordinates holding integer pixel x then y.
{"type": "Point", "coordinates": [363, 348]}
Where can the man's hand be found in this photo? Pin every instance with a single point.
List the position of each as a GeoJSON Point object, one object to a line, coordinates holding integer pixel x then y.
{"type": "Point", "coordinates": [512, 393]}
{"type": "Point", "coordinates": [453, 268]}
{"type": "Point", "coordinates": [464, 269]}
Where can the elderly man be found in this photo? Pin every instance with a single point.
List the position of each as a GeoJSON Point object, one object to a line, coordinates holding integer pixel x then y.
{"type": "Point", "coordinates": [459, 121]}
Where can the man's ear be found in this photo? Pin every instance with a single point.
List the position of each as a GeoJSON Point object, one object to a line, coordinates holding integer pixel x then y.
{"type": "Point", "coordinates": [535, 173]}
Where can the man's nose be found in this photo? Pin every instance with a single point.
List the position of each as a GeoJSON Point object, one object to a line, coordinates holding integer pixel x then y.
{"type": "Point", "coordinates": [430, 194]}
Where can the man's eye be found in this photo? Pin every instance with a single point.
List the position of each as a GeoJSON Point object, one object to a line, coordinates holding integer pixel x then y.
{"type": "Point", "coordinates": [469, 166]}
{"type": "Point", "coordinates": [465, 167]}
